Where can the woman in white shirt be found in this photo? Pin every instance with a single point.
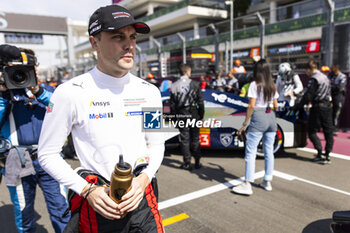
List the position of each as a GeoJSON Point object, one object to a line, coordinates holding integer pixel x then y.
{"type": "Point", "coordinates": [263, 97]}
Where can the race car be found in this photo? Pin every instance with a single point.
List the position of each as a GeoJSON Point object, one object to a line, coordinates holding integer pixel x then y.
{"type": "Point", "coordinates": [230, 109]}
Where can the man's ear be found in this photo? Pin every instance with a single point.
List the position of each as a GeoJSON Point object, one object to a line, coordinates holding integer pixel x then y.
{"type": "Point", "coordinates": [93, 42]}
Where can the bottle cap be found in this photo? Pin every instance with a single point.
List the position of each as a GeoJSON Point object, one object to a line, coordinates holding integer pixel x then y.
{"type": "Point", "coordinates": [122, 168]}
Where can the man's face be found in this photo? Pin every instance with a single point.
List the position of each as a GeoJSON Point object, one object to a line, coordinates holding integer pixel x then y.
{"type": "Point", "coordinates": [230, 75]}
{"type": "Point", "coordinates": [188, 73]}
{"type": "Point", "coordinates": [308, 72]}
{"type": "Point", "coordinates": [335, 70]}
{"type": "Point", "coordinates": [115, 50]}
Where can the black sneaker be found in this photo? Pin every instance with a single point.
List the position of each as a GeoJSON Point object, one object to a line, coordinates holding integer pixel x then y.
{"type": "Point", "coordinates": [197, 165]}
{"type": "Point", "coordinates": [318, 158]}
{"type": "Point", "coordinates": [326, 161]}
{"type": "Point", "coordinates": [186, 166]}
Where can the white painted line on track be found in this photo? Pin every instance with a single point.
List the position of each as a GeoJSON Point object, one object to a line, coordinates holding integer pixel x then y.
{"type": "Point", "coordinates": [219, 187]}
{"type": "Point", "coordinates": [291, 178]}
{"type": "Point", "coordinates": [335, 155]}
{"type": "Point", "coordinates": [204, 192]}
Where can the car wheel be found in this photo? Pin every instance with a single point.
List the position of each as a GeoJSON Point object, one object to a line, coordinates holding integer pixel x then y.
{"type": "Point", "coordinates": [277, 145]}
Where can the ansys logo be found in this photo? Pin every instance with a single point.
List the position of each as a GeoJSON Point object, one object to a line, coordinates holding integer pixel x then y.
{"type": "Point", "coordinates": [152, 119]}
{"type": "Point", "coordinates": [99, 103]}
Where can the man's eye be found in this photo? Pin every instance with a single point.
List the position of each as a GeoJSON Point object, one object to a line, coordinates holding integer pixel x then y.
{"type": "Point", "coordinates": [133, 37]}
{"type": "Point", "coordinates": [117, 37]}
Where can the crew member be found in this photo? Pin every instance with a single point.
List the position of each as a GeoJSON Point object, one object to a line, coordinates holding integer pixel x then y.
{"type": "Point", "coordinates": [238, 67]}
{"type": "Point", "coordinates": [319, 92]}
{"type": "Point", "coordinates": [219, 83]}
{"type": "Point", "coordinates": [150, 79]}
{"type": "Point", "coordinates": [22, 112]}
{"type": "Point", "coordinates": [338, 85]}
{"type": "Point", "coordinates": [186, 102]}
{"type": "Point", "coordinates": [288, 84]}
{"type": "Point", "coordinates": [232, 84]}
{"type": "Point", "coordinates": [103, 109]}
{"type": "Point", "coordinates": [64, 78]}
{"type": "Point", "coordinates": [325, 70]}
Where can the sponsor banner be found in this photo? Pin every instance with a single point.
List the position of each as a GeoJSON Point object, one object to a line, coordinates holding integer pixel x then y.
{"type": "Point", "coordinates": [226, 99]}
{"type": "Point", "coordinates": [313, 46]}
{"type": "Point", "coordinates": [217, 98]}
{"type": "Point", "coordinates": [23, 38]}
{"type": "Point", "coordinates": [241, 54]}
{"type": "Point", "coordinates": [12, 22]}
{"type": "Point", "coordinates": [294, 48]}
{"type": "Point", "coordinates": [245, 53]}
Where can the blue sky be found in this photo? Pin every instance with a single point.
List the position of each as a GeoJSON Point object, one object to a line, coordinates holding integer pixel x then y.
{"type": "Point", "coordinates": [74, 9]}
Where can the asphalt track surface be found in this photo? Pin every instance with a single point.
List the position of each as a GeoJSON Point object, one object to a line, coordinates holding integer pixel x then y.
{"type": "Point", "coordinates": [303, 198]}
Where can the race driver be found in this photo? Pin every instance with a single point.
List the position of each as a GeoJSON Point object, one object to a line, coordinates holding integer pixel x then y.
{"type": "Point", "coordinates": [103, 110]}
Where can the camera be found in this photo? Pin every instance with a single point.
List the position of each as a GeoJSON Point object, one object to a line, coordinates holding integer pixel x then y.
{"type": "Point", "coordinates": [17, 67]}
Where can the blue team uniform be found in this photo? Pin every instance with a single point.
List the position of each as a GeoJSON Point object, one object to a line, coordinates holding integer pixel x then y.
{"type": "Point", "coordinates": [21, 124]}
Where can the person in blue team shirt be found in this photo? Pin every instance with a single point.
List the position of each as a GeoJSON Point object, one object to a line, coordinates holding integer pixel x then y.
{"type": "Point", "coordinates": [22, 112]}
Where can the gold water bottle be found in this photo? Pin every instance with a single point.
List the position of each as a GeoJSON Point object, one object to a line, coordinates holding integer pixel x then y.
{"type": "Point", "coordinates": [120, 180]}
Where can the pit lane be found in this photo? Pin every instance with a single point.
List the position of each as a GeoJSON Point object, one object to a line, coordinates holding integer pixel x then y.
{"type": "Point", "coordinates": [303, 199]}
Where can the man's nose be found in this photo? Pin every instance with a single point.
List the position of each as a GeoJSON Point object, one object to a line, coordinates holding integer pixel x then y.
{"type": "Point", "coordinates": [129, 44]}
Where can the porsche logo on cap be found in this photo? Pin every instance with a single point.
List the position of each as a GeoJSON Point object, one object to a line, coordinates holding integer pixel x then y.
{"type": "Point", "coordinates": [120, 15]}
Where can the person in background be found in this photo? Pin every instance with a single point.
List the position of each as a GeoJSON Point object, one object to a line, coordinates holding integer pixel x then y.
{"type": "Point", "coordinates": [209, 78]}
{"type": "Point", "coordinates": [150, 78]}
{"type": "Point", "coordinates": [325, 70]}
{"type": "Point", "coordinates": [238, 67]}
{"type": "Point", "coordinates": [232, 84]}
{"type": "Point", "coordinates": [165, 85]}
{"type": "Point", "coordinates": [65, 78]}
{"type": "Point", "coordinates": [338, 89]}
{"type": "Point", "coordinates": [93, 107]}
{"type": "Point", "coordinates": [204, 82]}
{"type": "Point", "coordinates": [23, 173]}
{"type": "Point", "coordinates": [219, 83]}
{"type": "Point", "coordinates": [319, 92]}
{"type": "Point", "coordinates": [262, 96]}
{"type": "Point", "coordinates": [288, 84]}
{"type": "Point", "coordinates": [52, 82]}
{"type": "Point", "coordinates": [244, 90]}
{"type": "Point", "coordinates": [186, 101]}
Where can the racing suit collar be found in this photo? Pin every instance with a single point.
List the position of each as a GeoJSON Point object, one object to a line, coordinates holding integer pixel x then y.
{"type": "Point", "coordinates": [108, 80]}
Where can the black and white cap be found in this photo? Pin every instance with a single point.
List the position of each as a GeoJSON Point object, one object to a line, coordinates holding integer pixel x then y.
{"type": "Point", "coordinates": [114, 17]}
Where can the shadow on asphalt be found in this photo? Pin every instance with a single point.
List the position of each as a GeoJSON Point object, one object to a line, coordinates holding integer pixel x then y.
{"type": "Point", "coordinates": [210, 152]}
{"type": "Point", "coordinates": [292, 155]}
{"type": "Point", "coordinates": [217, 172]}
{"type": "Point", "coordinates": [319, 226]}
{"type": "Point", "coordinates": [7, 220]}
{"type": "Point", "coordinates": [213, 172]}
{"type": "Point", "coordinates": [296, 157]}
{"type": "Point", "coordinates": [235, 153]}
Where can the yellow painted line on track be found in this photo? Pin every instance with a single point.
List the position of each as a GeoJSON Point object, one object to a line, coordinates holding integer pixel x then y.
{"type": "Point", "coordinates": [175, 219]}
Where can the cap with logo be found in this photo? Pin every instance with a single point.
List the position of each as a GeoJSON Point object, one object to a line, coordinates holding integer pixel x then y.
{"type": "Point", "coordinates": [114, 17]}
